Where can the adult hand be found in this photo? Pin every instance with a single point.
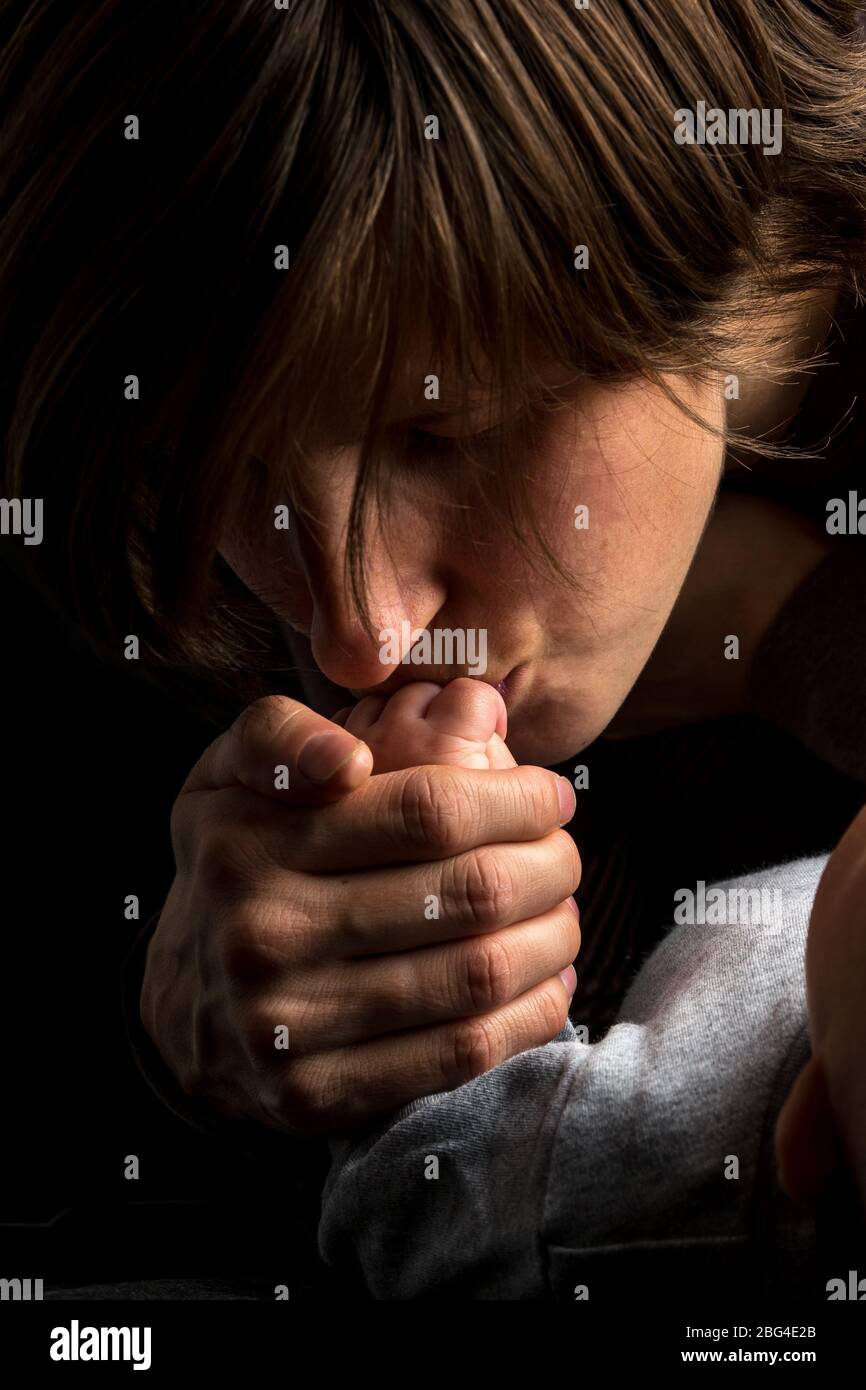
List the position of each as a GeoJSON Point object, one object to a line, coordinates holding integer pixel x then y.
{"type": "Point", "coordinates": [401, 933]}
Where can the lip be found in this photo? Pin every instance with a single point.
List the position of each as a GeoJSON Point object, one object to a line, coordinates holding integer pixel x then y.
{"type": "Point", "coordinates": [513, 686]}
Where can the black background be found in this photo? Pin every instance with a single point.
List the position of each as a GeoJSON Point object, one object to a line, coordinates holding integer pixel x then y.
{"type": "Point", "coordinates": [92, 760]}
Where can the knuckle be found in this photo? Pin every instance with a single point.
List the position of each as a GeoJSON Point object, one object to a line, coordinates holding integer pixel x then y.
{"type": "Point", "coordinates": [470, 1051]}
{"type": "Point", "coordinates": [431, 813]}
{"type": "Point", "coordinates": [218, 865]}
{"type": "Point", "coordinates": [260, 1030]}
{"type": "Point", "coordinates": [228, 856]}
{"type": "Point", "coordinates": [347, 925]}
{"type": "Point", "coordinates": [488, 975]}
{"type": "Point", "coordinates": [311, 1097]}
{"type": "Point", "coordinates": [258, 727]}
{"type": "Point", "coordinates": [241, 948]}
{"type": "Point", "coordinates": [262, 717]}
{"type": "Point", "coordinates": [487, 889]}
{"type": "Point", "coordinates": [536, 797]}
{"type": "Point", "coordinates": [266, 933]}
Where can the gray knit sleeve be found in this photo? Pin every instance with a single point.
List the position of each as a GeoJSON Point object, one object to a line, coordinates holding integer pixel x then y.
{"type": "Point", "coordinates": [565, 1166]}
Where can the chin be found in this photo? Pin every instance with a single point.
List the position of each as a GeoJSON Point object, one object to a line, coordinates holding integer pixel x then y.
{"type": "Point", "coordinates": [543, 747]}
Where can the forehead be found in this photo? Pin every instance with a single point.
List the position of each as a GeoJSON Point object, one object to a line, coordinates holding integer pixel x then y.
{"type": "Point", "coordinates": [425, 390]}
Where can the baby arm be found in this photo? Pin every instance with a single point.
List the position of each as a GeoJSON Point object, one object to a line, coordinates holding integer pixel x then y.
{"type": "Point", "coordinates": [525, 1182]}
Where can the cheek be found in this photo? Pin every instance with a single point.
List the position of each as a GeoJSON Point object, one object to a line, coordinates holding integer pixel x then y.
{"type": "Point", "coordinates": [628, 501]}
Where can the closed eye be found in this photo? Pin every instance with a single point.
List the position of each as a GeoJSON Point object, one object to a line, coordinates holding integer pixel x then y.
{"type": "Point", "coordinates": [425, 442]}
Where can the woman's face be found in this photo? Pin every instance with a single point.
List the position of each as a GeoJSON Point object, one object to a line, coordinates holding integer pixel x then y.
{"type": "Point", "coordinates": [565, 658]}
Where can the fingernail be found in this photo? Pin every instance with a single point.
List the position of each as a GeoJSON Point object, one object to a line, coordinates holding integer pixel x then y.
{"type": "Point", "coordinates": [574, 907]}
{"type": "Point", "coordinates": [569, 979]}
{"type": "Point", "coordinates": [567, 801]}
{"type": "Point", "coordinates": [324, 754]}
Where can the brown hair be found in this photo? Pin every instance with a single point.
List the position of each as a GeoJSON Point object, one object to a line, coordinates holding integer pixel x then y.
{"type": "Point", "coordinates": [261, 127]}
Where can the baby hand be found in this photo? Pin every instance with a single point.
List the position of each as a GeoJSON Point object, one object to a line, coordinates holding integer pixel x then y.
{"type": "Point", "coordinates": [463, 724]}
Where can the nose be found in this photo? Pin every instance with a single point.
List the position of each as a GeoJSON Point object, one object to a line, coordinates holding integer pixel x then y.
{"type": "Point", "coordinates": [402, 584]}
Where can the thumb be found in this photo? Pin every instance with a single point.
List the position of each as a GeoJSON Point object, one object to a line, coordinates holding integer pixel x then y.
{"type": "Point", "coordinates": [283, 750]}
{"type": "Point", "coordinates": [806, 1145]}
